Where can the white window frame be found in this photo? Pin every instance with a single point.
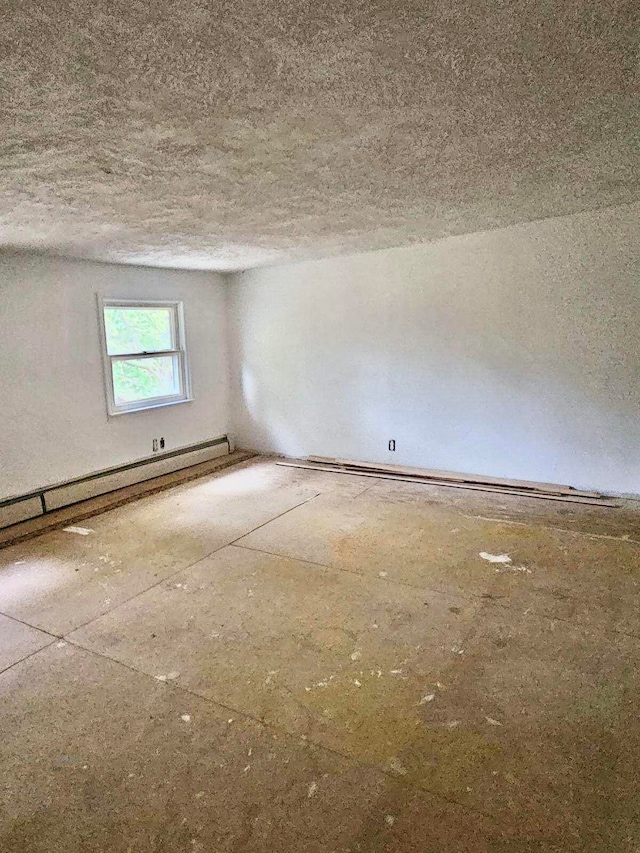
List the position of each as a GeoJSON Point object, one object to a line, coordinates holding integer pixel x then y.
{"type": "Point", "coordinates": [180, 352]}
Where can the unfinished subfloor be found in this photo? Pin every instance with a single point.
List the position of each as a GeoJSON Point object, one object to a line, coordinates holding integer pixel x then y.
{"type": "Point", "coordinates": [275, 660]}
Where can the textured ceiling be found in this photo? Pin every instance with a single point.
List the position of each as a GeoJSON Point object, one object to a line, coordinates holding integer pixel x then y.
{"type": "Point", "coordinates": [225, 134]}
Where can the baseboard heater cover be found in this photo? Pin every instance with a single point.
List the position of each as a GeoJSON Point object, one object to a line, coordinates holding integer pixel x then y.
{"type": "Point", "coordinates": [24, 507]}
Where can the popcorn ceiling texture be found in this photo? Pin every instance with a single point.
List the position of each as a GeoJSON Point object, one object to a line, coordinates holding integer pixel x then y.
{"type": "Point", "coordinates": [230, 134]}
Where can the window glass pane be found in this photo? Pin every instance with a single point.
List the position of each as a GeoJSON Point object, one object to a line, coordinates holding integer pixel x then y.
{"type": "Point", "coordinates": [144, 378]}
{"type": "Point", "coordinates": [132, 330]}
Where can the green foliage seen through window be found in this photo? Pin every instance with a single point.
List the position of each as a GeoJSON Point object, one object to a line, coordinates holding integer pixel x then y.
{"type": "Point", "coordinates": [141, 330]}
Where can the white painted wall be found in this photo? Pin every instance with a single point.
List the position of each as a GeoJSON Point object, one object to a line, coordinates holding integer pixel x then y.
{"type": "Point", "coordinates": [53, 418]}
{"type": "Point", "coordinates": [513, 353]}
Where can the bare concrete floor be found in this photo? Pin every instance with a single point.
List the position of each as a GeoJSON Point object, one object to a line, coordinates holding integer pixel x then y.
{"type": "Point", "coordinates": [274, 660]}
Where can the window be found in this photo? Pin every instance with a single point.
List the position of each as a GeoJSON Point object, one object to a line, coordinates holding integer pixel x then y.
{"type": "Point", "coordinates": [144, 354]}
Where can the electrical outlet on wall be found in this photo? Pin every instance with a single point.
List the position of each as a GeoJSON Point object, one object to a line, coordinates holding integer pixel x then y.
{"type": "Point", "coordinates": [154, 445]}
{"type": "Point", "coordinates": [162, 444]}
{"type": "Point", "coordinates": [392, 444]}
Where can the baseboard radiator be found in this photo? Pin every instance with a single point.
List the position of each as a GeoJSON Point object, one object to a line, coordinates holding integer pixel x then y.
{"type": "Point", "coordinates": [42, 501]}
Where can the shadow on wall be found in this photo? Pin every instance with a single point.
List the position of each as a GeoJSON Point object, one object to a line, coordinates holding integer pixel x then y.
{"type": "Point", "coordinates": [457, 417]}
{"type": "Point", "coordinates": [514, 353]}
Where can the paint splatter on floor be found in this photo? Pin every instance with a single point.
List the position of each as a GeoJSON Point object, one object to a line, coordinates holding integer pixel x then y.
{"type": "Point", "coordinates": [495, 558]}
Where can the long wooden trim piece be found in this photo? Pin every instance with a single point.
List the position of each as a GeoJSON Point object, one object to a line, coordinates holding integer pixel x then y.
{"type": "Point", "coordinates": [423, 481]}
{"type": "Point", "coordinates": [547, 488]}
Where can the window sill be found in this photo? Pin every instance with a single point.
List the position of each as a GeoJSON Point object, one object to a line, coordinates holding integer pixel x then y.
{"type": "Point", "coordinates": [116, 414]}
